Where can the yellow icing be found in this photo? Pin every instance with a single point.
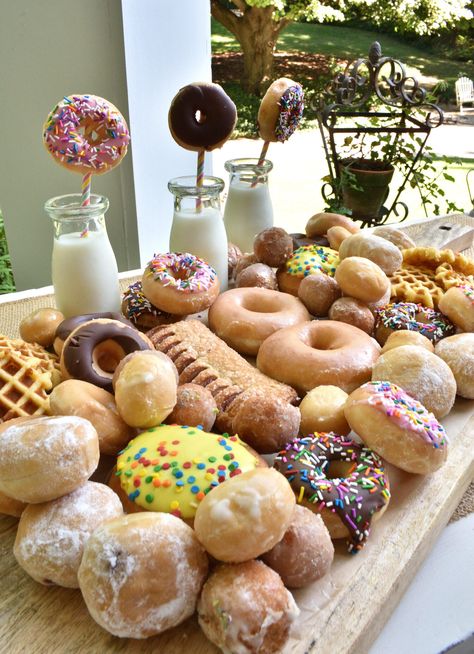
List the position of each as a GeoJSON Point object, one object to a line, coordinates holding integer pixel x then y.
{"type": "Point", "coordinates": [310, 259]}
{"type": "Point", "coordinates": [171, 468]}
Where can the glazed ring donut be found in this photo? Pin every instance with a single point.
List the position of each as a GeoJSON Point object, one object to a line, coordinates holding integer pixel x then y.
{"type": "Point", "coordinates": [94, 349]}
{"type": "Point", "coordinates": [180, 283]}
{"type": "Point", "coordinates": [397, 427]}
{"type": "Point", "coordinates": [412, 317]}
{"type": "Point", "coordinates": [356, 493]}
{"type": "Point", "coordinates": [320, 352]}
{"type": "Point", "coordinates": [306, 260]}
{"type": "Point", "coordinates": [281, 110]}
{"type": "Point", "coordinates": [245, 317]}
{"type": "Point", "coordinates": [70, 324]}
{"type": "Point", "coordinates": [201, 117]}
{"type": "Point", "coordinates": [87, 134]}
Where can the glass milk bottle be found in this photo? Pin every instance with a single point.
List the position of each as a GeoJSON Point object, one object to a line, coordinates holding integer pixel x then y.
{"type": "Point", "coordinates": [197, 226]}
{"type": "Point", "coordinates": [248, 209]}
{"type": "Point", "coordinates": [84, 269]}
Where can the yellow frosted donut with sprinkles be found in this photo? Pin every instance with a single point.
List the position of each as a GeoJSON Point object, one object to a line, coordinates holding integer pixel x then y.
{"type": "Point", "coordinates": [171, 468]}
{"type": "Point", "coordinates": [306, 260]}
{"type": "Point", "coordinates": [180, 283]}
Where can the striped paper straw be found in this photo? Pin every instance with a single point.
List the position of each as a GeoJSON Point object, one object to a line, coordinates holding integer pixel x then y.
{"type": "Point", "coordinates": [261, 160]}
{"type": "Point", "coordinates": [86, 190]}
{"type": "Point", "coordinates": [200, 177]}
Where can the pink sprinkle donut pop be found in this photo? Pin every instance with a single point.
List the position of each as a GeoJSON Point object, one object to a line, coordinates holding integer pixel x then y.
{"type": "Point", "coordinates": [86, 134]}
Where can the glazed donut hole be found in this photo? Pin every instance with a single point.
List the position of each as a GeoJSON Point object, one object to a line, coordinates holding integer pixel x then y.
{"type": "Point", "coordinates": [141, 574]}
{"type": "Point", "coordinates": [406, 337]}
{"type": "Point", "coordinates": [305, 553]}
{"type": "Point", "coordinates": [320, 223]}
{"type": "Point", "coordinates": [194, 406]}
{"type": "Point", "coordinates": [233, 255]}
{"type": "Point", "coordinates": [75, 397]}
{"type": "Point", "coordinates": [246, 516]}
{"type": "Point", "coordinates": [51, 536]}
{"type": "Point", "coordinates": [458, 352]}
{"type": "Point", "coordinates": [421, 374]}
{"type": "Point", "coordinates": [362, 279]}
{"type": "Point", "coordinates": [322, 410]}
{"type": "Point", "coordinates": [336, 235]}
{"type": "Point", "coordinates": [40, 326]}
{"type": "Point", "coordinates": [318, 292]}
{"type": "Point", "coordinates": [243, 262]}
{"type": "Point", "coordinates": [145, 385]}
{"type": "Point", "coordinates": [257, 275]}
{"type": "Point", "coordinates": [46, 457]}
{"type": "Point", "coordinates": [245, 607]}
{"type": "Point", "coordinates": [273, 246]}
{"type": "Point", "coordinates": [353, 312]}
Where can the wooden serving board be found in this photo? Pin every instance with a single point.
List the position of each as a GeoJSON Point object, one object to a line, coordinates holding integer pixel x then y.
{"type": "Point", "coordinates": [455, 231]}
{"type": "Point", "coordinates": [341, 614]}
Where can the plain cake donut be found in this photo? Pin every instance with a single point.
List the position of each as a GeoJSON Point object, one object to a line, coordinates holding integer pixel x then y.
{"type": "Point", "coordinates": [245, 317]}
{"type": "Point", "coordinates": [317, 353]}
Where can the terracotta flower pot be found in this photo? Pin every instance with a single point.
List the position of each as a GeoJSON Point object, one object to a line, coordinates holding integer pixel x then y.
{"type": "Point", "coordinates": [373, 177]}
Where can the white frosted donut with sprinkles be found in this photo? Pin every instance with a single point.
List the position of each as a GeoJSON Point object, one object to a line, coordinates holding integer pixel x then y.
{"type": "Point", "coordinates": [86, 134]}
{"type": "Point", "coordinates": [396, 426]}
{"type": "Point", "coordinates": [180, 283]}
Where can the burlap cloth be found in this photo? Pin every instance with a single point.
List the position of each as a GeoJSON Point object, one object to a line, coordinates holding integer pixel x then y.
{"type": "Point", "coordinates": [11, 314]}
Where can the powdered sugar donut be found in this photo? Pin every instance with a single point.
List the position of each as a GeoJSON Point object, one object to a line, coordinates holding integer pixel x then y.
{"type": "Point", "coordinates": [141, 574]}
{"type": "Point", "coordinates": [51, 536]}
{"type": "Point", "coordinates": [180, 283]}
{"type": "Point", "coordinates": [87, 134]}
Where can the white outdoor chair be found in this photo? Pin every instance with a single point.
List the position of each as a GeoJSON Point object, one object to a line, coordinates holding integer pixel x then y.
{"type": "Point", "coordinates": [464, 92]}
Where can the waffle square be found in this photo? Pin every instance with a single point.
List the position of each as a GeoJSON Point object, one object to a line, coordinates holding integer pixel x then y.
{"type": "Point", "coordinates": [23, 386]}
{"type": "Point", "coordinates": [47, 362]}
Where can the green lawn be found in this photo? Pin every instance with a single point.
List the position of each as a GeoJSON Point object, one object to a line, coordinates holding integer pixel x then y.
{"type": "Point", "coordinates": [351, 43]}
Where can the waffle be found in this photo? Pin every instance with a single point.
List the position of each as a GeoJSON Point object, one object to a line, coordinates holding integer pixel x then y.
{"type": "Point", "coordinates": [47, 362]}
{"type": "Point", "coordinates": [23, 386]}
{"type": "Point", "coordinates": [426, 273]}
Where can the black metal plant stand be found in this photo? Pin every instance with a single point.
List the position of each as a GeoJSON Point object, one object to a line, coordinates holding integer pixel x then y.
{"type": "Point", "coordinates": [401, 110]}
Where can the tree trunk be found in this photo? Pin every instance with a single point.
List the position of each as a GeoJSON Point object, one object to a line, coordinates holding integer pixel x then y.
{"type": "Point", "coordinates": [257, 33]}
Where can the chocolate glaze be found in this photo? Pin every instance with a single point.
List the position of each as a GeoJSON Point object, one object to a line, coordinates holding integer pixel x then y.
{"type": "Point", "coordinates": [77, 354]}
{"type": "Point", "coordinates": [305, 463]}
{"type": "Point", "coordinates": [301, 239]}
{"type": "Point", "coordinates": [218, 116]}
{"type": "Point", "coordinates": [69, 325]}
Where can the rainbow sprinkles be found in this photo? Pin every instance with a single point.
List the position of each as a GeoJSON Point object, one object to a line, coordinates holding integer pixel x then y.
{"type": "Point", "coordinates": [182, 271]}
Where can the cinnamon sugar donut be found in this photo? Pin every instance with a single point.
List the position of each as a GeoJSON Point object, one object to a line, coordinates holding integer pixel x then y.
{"type": "Point", "coordinates": [273, 246]}
{"type": "Point", "coordinates": [305, 553]}
{"type": "Point", "coordinates": [397, 427]}
{"type": "Point", "coordinates": [245, 317]}
{"type": "Point", "coordinates": [319, 352]}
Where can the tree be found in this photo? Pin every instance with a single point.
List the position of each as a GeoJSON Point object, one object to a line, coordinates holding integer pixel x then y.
{"type": "Point", "coordinates": [256, 24]}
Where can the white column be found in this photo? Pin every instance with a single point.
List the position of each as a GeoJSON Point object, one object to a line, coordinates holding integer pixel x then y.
{"type": "Point", "coordinates": [167, 45]}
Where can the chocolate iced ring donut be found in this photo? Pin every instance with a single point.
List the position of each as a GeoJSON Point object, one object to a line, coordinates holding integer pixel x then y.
{"type": "Point", "coordinates": [94, 349]}
{"type": "Point", "coordinates": [201, 117]}
{"type": "Point", "coordinates": [70, 324]}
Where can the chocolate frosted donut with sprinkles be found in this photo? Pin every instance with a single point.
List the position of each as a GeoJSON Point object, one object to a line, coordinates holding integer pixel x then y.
{"type": "Point", "coordinates": [412, 317]}
{"type": "Point", "coordinates": [336, 477]}
{"type": "Point", "coordinates": [180, 283]}
{"type": "Point", "coordinates": [281, 110]}
{"type": "Point", "coordinates": [397, 427]}
{"type": "Point", "coordinates": [87, 134]}
{"type": "Point", "coordinates": [137, 308]}
{"type": "Point", "coordinates": [306, 260]}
